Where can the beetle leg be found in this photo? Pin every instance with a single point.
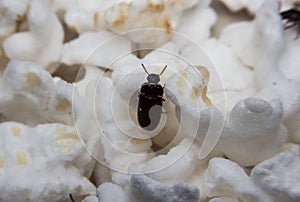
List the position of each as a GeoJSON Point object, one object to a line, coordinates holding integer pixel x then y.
{"type": "Point", "coordinates": [71, 197]}
{"type": "Point", "coordinates": [289, 23]}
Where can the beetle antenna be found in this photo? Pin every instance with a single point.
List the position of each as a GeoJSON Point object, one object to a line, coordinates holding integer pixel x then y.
{"type": "Point", "coordinates": [145, 69]}
{"type": "Point", "coordinates": [163, 70]}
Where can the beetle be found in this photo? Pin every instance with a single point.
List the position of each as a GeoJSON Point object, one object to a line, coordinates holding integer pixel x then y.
{"type": "Point", "coordinates": [293, 19]}
{"type": "Point", "coordinates": [150, 101]}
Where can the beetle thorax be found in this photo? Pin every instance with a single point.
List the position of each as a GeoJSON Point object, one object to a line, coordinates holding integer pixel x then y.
{"type": "Point", "coordinates": [153, 78]}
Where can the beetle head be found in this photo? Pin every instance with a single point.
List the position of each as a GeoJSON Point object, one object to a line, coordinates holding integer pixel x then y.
{"type": "Point", "coordinates": [153, 78]}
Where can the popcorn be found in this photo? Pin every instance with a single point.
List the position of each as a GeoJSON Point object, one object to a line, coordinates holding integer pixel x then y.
{"type": "Point", "coordinates": [111, 192]}
{"type": "Point", "coordinates": [41, 163]}
{"type": "Point", "coordinates": [224, 178]}
{"type": "Point", "coordinates": [279, 177]}
{"type": "Point", "coordinates": [237, 5]}
{"type": "Point", "coordinates": [35, 94]}
{"type": "Point", "coordinates": [142, 188]}
{"type": "Point", "coordinates": [231, 103]}
{"type": "Point", "coordinates": [252, 6]}
{"type": "Point", "coordinates": [253, 128]}
{"type": "Point", "coordinates": [43, 42]}
{"type": "Point", "coordinates": [95, 48]}
{"type": "Point", "coordinates": [83, 16]}
{"type": "Point", "coordinates": [43, 101]}
{"type": "Point", "coordinates": [176, 166]}
{"type": "Point", "coordinates": [194, 25]}
{"type": "Point", "coordinates": [155, 19]}
{"type": "Point", "coordinates": [120, 150]}
{"type": "Point", "coordinates": [11, 13]}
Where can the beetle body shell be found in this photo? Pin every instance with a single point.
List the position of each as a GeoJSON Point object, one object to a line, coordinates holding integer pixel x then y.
{"type": "Point", "coordinates": [150, 105]}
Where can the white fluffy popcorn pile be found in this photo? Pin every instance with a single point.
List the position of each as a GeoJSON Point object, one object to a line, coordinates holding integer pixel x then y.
{"type": "Point", "coordinates": [70, 85]}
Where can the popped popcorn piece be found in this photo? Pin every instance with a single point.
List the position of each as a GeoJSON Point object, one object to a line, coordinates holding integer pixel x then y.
{"type": "Point", "coordinates": [108, 192]}
{"type": "Point", "coordinates": [293, 127]}
{"type": "Point", "coordinates": [42, 163]}
{"type": "Point", "coordinates": [35, 94]}
{"type": "Point", "coordinates": [279, 176]}
{"type": "Point", "coordinates": [90, 199]}
{"type": "Point", "coordinates": [254, 131]}
{"type": "Point", "coordinates": [252, 6]}
{"type": "Point", "coordinates": [194, 25]}
{"type": "Point", "coordinates": [224, 178]}
{"type": "Point", "coordinates": [83, 16]}
{"type": "Point", "coordinates": [236, 5]}
{"type": "Point", "coordinates": [11, 12]}
{"type": "Point", "coordinates": [95, 48]}
{"type": "Point", "coordinates": [43, 42]}
{"type": "Point", "coordinates": [124, 143]}
{"type": "Point", "coordinates": [176, 166]}
{"type": "Point", "coordinates": [264, 56]}
{"type": "Point", "coordinates": [266, 30]}
{"type": "Point", "coordinates": [155, 19]}
{"type": "Point", "coordinates": [197, 116]}
{"type": "Point", "coordinates": [34, 98]}
{"type": "Point", "coordinates": [223, 199]}
{"type": "Point", "coordinates": [142, 188]}
{"type": "Point", "coordinates": [91, 74]}
{"type": "Point", "coordinates": [225, 88]}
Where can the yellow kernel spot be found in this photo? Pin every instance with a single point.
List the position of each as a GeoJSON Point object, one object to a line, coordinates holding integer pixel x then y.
{"type": "Point", "coordinates": [21, 158]}
{"type": "Point", "coordinates": [96, 19]}
{"type": "Point", "coordinates": [121, 19]}
{"type": "Point", "coordinates": [120, 144]}
{"type": "Point", "coordinates": [61, 130]}
{"type": "Point", "coordinates": [155, 7]}
{"type": "Point", "coordinates": [179, 68]}
{"type": "Point", "coordinates": [195, 92]}
{"type": "Point", "coordinates": [78, 188]}
{"type": "Point", "coordinates": [16, 130]}
{"type": "Point", "coordinates": [74, 28]}
{"type": "Point", "coordinates": [176, 2]}
{"type": "Point", "coordinates": [62, 105]}
{"type": "Point", "coordinates": [136, 141]}
{"type": "Point", "coordinates": [1, 162]}
{"type": "Point", "coordinates": [66, 151]}
{"type": "Point", "coordinates": [167, 24]}
{"type": "Point", "coordinates": [124, 167]}
{"type": "Point", "coordinates": [67, 139]}
{"type": "Point", "coordinates": [184, 75]}
{"type": "Point", "coordinates": [33, 79]}
{"type": "Point", "coordinates": [205, 98]}
{"type": "Point", "coordinates": [180, 82]}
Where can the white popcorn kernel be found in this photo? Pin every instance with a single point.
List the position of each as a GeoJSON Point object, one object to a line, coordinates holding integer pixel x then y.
{"type": "Point", "coordinates": [195, 24]}
{"type": "Point", "coordinates": [279, 176]}
{"type": "Point", "coordinates": [43, 42]}
{"type": "Point", "coordinates": [11, 12]}
{"type": "Point", "coordinates": [108, 192]}
{"type": "Point", "coordinates": [142, 188]}
{"type": "Point", "coordinates": [124, 143]}
{"type": "Point", "coordinates": [224, 178]}
{"type": "Point", "coordinates": [95, 48]}
{"type": "Point", "coordinates": [237, 5]}
{"type": "Point", "coordinates": [254, 128]}
{"type": "Point", "coordinates": [155, 20]}
{"type": "Point", "coordinates": [84, 16]}
{"type": "Point", "coordinates": [176, 166]}
{"type": "Point", "coordinates": [90, 199]}
{"type": "Point", "coordinates": [42, 159]}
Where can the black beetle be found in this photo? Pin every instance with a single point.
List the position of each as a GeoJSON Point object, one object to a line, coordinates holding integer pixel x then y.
{"type": "Point", "coordinates": [293, 18]}
{"type": "Point", "coordinates": [150, 101]}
